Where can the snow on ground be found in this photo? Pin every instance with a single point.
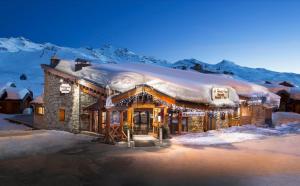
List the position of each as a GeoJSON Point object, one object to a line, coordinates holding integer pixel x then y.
{"type": "Point", "coordinates": [38, 141]}
{"type": "Point", "coordinates": [286, 123]}
{"type": "Point", "coordinates": [235, 134]}
{"type": "Point", "coordinates": [6, 126]}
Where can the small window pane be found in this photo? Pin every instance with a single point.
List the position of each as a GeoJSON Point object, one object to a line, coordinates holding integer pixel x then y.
{"type": "Point", "coordinates": [40, 110]}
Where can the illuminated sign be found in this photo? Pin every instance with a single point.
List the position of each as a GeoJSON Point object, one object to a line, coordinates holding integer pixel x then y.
{"type": "Point", "coordinates": [190, 114]}
{"type": "Point", "coordinates": [220, 93]}
{"type": "Point", "coordinates": [65, 88]}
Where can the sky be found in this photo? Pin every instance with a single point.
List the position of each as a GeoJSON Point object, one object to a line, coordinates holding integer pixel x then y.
{"type": "Point", "coordinates": [254, 33]}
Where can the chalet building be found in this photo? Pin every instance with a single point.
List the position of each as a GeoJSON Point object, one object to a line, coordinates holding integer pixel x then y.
{"type": "Point", "coordinates": [108, 98]}
{"type": "Point", "coordinates": [38, 109]}
{"type": "Point", "coordinates": [289, 94]}
{"type": "Point", "coordinates": [14, 100]}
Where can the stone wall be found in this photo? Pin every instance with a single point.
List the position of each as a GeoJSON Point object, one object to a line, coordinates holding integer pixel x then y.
{"type": "Point", "coordinates": [76, 119]}
{"type": "Point", "coordinates": [54, 101]}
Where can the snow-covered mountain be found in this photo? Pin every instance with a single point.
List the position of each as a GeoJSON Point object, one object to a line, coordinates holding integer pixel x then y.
{"type": "Point", "coordinates": [21, 56]}
{"type": "Point", "coordinates": [256, 75]}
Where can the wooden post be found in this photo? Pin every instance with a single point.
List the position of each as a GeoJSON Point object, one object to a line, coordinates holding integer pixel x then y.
{"type": "Point", "coordinates": [100, 121]}
{"type": "Point", "coordinates": [121, 124]}
{"type": "Point", "coordinates": [129, 117]}
{"type": "Point", "coordinates": [100, 115]}
{"type": "Point", "coordinates": [179, 122]}
{"type": "Point", "coordinates": [108, 138]}
{"type": "Point", "coordinates": [91, 121]}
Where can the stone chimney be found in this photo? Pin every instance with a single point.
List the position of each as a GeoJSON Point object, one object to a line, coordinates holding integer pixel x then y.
{"type": "Point", "coordinates": [81, 63]}
{"type": "Point", "coordinates": [54, 61]}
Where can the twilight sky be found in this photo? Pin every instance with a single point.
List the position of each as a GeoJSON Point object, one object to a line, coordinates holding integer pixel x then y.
{"type": "Point", "coordinates": [254, 33]}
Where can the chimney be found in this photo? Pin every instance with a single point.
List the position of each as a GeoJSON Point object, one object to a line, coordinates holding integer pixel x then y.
{"type": "Point", "coordinates": [81, 63]}
{"type": "Point", "coordinates": [54, 61]}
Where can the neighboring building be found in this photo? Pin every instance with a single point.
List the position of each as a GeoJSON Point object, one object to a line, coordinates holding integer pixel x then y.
{"type": "Point", "coordinates": [80, 96]}
{"type": "Point", "coordinates": [38, 111]}
{"type": "Point", "coordinates": [289, 94]}
{"type": "Point", "coordinates": [14, 100]}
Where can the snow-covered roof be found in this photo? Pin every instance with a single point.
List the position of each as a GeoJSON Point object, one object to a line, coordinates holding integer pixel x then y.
{"type": "Point", "coordinates": [275, 87]}
{"type": "Point", "coordinates": [13, 93]}
{"type": "Point", "coordinates": [182, 85]}
{"type": "Point", "coordinates": [38, 100]}
{"type": "Point", "coordinates": [295, 93]}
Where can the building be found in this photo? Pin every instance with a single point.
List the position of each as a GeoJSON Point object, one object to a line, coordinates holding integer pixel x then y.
{"type": "Point", "coordinates": [289, 94]}
{"type": "Point", "coordinates": [14, 100]}
{"type": "Point", "coordinates": [106, 98]}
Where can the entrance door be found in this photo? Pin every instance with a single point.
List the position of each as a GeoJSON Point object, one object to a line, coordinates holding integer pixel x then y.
{"type": "Point", "coordinates": [93, 121]}
{"type": "Point", "coordinates": [141, 122]}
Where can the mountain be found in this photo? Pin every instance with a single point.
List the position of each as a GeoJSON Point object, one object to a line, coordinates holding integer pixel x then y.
{"type": "Point", "coordinates": [256, 75]}
{"type": "Point", "coordinates": [20, 56]}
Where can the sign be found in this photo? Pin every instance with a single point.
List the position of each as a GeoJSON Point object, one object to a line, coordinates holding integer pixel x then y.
{"type": "Point", "coordinates": [220, 93]}
{"type": "Point", "coordinates": [65, 88]}
{"type": "Point", "coordinates": [190, 114]}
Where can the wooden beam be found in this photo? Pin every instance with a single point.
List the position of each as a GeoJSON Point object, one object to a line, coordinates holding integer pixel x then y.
{"type": "Point", "coordinates": [92, 86]}
{"type": "Point", "coordinates": [141, 89]}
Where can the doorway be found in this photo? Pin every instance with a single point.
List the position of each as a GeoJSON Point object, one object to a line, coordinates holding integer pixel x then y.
{"type": "Point", "coordinates": [142, 121]}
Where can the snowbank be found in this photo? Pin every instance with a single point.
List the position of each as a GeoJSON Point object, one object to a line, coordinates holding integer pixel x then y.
{"type": "Point", "coordinates": [235, 134]}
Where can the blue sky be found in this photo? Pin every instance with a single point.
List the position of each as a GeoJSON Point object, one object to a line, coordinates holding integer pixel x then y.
{"type": "Point", "coordinates": [253, 33]}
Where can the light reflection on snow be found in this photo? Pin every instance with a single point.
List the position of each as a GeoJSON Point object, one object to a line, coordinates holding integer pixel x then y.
{"type": "Point", "coordinates": [235, 134]}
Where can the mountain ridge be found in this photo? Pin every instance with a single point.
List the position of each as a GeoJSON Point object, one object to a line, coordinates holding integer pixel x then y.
{"type": "Point", "coordinates": [19, 55]}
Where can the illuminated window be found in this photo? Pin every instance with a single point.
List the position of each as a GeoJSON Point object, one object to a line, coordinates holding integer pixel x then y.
{"type": "Point", "coordinates": [40, 110]}
{"type": "Point", "coordinates": [61, 114]}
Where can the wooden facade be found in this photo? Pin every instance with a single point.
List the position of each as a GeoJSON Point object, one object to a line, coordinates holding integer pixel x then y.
{"type": "Point", "coordinates": [12, 106]}
{"type": "Point", "coordinates": [287, 103]}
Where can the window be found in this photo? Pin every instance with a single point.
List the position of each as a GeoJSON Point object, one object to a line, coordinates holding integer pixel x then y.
{"type": "Point", "coordinates": [40, 110]}
{"type": "Point", "coordinates": [61, 115]}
